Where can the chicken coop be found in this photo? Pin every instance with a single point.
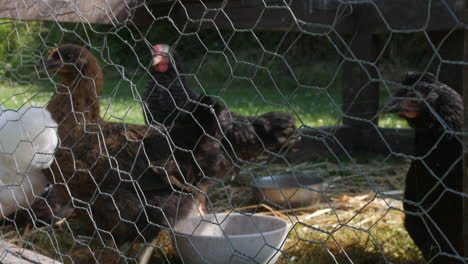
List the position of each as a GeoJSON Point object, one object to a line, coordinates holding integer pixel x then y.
{"type": "Point", "coordinates": [232, 131]}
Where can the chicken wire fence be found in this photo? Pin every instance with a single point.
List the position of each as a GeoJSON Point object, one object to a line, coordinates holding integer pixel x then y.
{"type": "Point", "coordinates": [163, 135]}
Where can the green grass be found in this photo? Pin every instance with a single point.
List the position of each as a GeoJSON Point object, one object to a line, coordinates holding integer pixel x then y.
{"type": "Point", "coordinates": [313, 101]}
{"type": "Point", "coordinates": [383, 242]}
{"type": "Point", "coordinates": [303, 79]}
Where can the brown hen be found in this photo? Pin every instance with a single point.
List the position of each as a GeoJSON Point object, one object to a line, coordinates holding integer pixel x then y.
{"type": "Point", "coordinates": [127, 180]}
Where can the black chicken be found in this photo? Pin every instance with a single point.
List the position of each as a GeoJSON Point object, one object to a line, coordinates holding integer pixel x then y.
{"type": "Point", "coordinates": [127, 180]}
{"type": "Point", "coordinates": [432, 205]}
{"type": "Point", "coordinates": [166, 94]}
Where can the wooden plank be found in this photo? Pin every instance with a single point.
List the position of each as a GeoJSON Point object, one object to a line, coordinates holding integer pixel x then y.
{"type": "Point", "coordinates": [324, 16]}
{"type": "Point", "coordinates": [12, 254]}
{"type": "Point", "coordinates": [96, 11]}
{"type": "Point", "coordinates": [402, 15]}
{"type": "Point", "coordinates": [328, 142]}
{"type": "Point", "coordinates": [303, 16]}
{"type": "Point", "coordinates": [314, 16]}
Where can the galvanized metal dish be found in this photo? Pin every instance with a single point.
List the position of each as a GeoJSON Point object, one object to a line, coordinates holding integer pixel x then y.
{"type": "Point", "coordinates": [293, 190]}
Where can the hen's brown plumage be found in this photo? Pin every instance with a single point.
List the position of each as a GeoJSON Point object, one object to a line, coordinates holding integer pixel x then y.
{"type": "Point", "coordinates": [124, 179]}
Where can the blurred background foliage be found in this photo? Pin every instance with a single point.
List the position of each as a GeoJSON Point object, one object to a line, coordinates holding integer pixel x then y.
{"type": "Point", "coordinates": [252, 72]}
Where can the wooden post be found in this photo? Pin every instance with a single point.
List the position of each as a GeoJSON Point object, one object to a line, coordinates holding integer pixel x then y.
{"type": "Point", "coordinates": [10, 253]}
{"type": "Point", "coordinates": [360, 95]}
{"type": "Point", "coordinates": [465, 139]}
{"type": "Point", "coordinates": [451, 49]}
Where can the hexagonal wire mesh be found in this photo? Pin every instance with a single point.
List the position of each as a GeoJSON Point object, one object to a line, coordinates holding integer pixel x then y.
{"type": "Point", "coordinates": [231, 131]}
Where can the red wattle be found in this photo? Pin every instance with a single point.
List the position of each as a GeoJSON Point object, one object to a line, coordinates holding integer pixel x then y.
{"type": "Point", "coordinates": [162, 67]}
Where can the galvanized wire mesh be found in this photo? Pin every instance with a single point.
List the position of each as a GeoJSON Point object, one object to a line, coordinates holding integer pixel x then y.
{"type": "Point", "coordinates": [144, 159]}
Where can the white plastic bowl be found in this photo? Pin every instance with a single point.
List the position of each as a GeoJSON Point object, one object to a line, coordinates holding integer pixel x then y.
{"type": "Point", "coordinates": [230, 238]}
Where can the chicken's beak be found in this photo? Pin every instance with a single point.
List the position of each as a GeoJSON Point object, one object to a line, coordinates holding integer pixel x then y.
{"type": "Point", "coordinates": [51, 64]}
{"type": "Point", "coordinates": [157, 59]}
{"type": "Point", "coordinates": [392, 108]}
{"type": "Point", "coordinates": [161, 63]}
{"type": "Point", "coordinates": [403, 109]}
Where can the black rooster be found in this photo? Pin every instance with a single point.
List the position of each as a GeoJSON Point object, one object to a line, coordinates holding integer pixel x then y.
{"type": "Point", "coordinates": [432, 200]}
{"type": "Point", "coordinates": [247, 137]}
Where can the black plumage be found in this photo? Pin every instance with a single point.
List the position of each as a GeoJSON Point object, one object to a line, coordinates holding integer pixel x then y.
{"type": "Point", "coordinates": [246, 137]}
{"type": "Point", "coordinates": [433, 208]}
{"type": "Point", "coordinates": [165, 95]}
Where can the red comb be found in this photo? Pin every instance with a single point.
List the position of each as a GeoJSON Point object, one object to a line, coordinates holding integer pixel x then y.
{"type": "Point", "coordinates": [161, 49]}
{"type": "Point", "coordinates": [156, 49]}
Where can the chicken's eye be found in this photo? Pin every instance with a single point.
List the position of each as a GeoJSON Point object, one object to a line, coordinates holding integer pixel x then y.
{"type": "Point", "coordinates": [56, 56]}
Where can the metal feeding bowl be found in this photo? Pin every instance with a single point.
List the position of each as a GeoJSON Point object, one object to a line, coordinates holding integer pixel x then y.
{"type": "Point", "coordinates": [294, 190]}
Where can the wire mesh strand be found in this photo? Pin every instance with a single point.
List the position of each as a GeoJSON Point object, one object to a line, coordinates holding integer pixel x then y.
{"type": "Point", "coordinates": [174, 123]}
